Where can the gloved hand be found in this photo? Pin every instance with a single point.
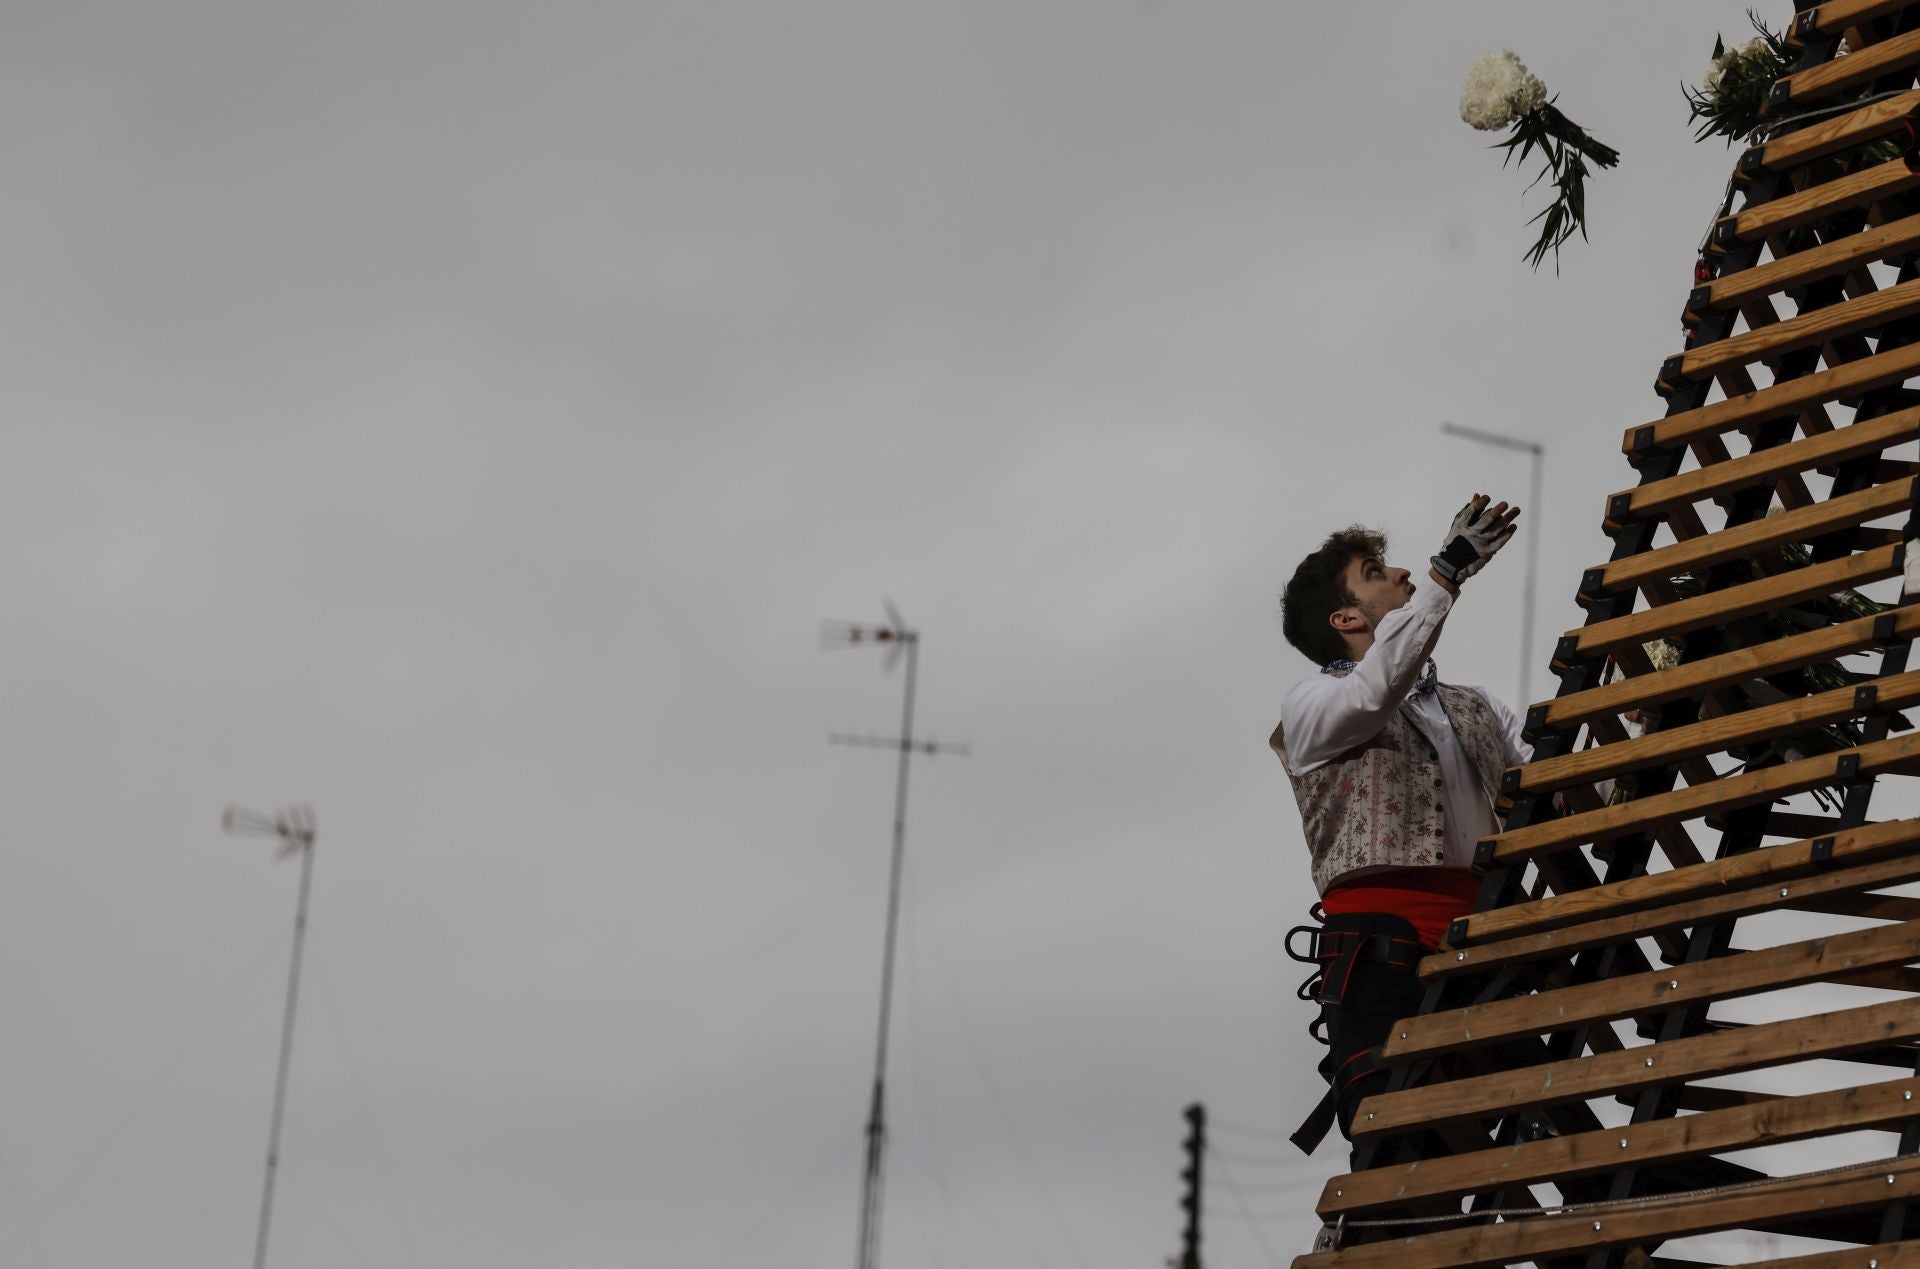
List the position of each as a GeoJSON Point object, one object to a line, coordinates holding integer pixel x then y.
{"type": "Point", "coordinates": [1476, 533]}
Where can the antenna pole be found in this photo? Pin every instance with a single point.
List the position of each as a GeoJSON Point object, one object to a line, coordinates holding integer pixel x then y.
{"type": "Point", "coordinates": [869, 1254]}
{"type": "Point", "coordinates": [898, 639]}
{"type": "Point", "coordinates": [295, 829]}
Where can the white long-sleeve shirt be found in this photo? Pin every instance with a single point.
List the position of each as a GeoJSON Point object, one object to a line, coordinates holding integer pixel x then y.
{"type": "Point", "coordinates": [1325, 715]}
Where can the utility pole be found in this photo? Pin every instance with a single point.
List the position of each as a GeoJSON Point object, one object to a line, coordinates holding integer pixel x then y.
{"type": "Point", "coordinates": [1538, 453]}
{"type": "Point", "coordinates": [294, 827]}
{"type": "Point", "coordinates": [895, 637]}
{"type": "Point", "coordinates": [1196, 1148]}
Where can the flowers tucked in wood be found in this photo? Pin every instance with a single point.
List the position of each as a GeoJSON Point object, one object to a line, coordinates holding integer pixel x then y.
{"type": "Point", "coordinates": [1732, 97]}
{"type": "Point", "coordinates": [1501, 93]}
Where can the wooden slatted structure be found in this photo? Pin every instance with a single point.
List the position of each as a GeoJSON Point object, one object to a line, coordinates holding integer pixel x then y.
{"type": "Point", "coordinates": [1597, 1061]}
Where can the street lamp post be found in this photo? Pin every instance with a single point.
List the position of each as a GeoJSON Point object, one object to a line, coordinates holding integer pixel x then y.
{"type": "Point", "coordinates": [1537, 454]}
{"type": "Point", "coordinates": [294, 827]}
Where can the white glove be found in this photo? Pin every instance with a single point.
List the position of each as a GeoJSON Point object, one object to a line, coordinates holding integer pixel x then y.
{"type": "Point", "coordinates": [1476, 533]}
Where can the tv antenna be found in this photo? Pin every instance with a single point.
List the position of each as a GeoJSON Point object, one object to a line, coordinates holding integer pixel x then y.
{"type": "Point", "coordinates": [294, 827]}
{"type": "Point", "coordinates": [898, 640]}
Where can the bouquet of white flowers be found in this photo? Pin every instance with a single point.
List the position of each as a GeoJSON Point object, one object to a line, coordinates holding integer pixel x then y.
{"type": "Point", "coordinates": [1732, 95]}
{"type": "Point", "coordinates": [1500, 93]}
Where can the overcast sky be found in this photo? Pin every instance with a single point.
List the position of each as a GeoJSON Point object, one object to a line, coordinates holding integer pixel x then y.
{"type": "Point", "coordinates": [461, 417]}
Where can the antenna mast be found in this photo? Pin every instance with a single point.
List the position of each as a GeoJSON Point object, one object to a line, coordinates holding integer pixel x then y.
{"type": "Point", "coordinates": [897, 638]}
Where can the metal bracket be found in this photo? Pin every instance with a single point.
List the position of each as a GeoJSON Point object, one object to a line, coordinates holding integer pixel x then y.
{"type": "Point", "coordinates": [1866, 698]}
{"type": "Point", "coordinates": [1457, 932]}
{"type": "Point", "coordinates": [1483, 853]}
{"type": "Point", "coordinates": [1807, 23]}
{"type": "Point", "coordinates": [1846, 768]}
{"type": "Point", "coordinates": [1821, 853]}
{"type": "Point", "coordinates": [1885, 627]}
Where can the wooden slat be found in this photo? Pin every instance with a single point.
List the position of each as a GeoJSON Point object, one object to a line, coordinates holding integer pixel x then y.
{"type": "Point", "coordinates": [1717, 1053]}
{"type": "Point", "coordinates": [1879, 1256]}
{"type": "Point", "coordinates": [1772, 863]}
{"type": "Point", "coordinates": [1799, 525]}
{"type": "Point", "coordinates": [1693, 678]}
{"type": "Point", "coordinates": [1764, 465]}
{"type": "Point", "coordinates": [1856, 189]}
{"type": "Point", "coordinates": [1776, 1119]}
{"type": "Point", "coordinates": [1817, 140]}
{"type": "Point", "coordinates": [1716, 607]}
{"type": "Point", "coordinates": [1714, 735]}
{"type": "Point", "coordinates": [1871, 907]}
{"type": "Point", "coordinates": [1725, 794]}
{"type": "Point", "coordinates": [1631, 995]}
{"type": "Point", "coordinates": [1835, 16]}
{"type": "Point", "coordinates": [1707, 1097]}
{"type": "Point", "coordinates": [1868, 64]}
{"type": "Point", "coordinates": [1808, 330]}
{"type": "Point", "coordinates": [1863, 1186]}
{"type": "Point", "coordinates": [1826, 260]}
{"type": "Point", "coordinates": [1805, 894]}
{"type": "Point", "coordinates": [1780, 399]}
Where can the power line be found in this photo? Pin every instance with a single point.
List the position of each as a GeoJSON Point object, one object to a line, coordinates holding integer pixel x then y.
{"type": "Point", "coordinates": [810, 1182]}
{"type": "Point", "coordinates": [1253, 1226]}
{"type": "Point", "coordinates": [981, 1068]}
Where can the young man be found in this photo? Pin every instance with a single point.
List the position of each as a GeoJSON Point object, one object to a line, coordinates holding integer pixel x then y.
{"type": "Point", "coordinates": [1395, 773]}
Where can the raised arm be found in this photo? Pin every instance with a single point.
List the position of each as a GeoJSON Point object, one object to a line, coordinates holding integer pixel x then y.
{"type": "Point", "coordinates": [1326, 715]}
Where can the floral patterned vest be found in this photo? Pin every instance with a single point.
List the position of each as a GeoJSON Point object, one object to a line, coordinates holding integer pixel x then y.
{"type": "Point", "coordinates": [1376, 805]}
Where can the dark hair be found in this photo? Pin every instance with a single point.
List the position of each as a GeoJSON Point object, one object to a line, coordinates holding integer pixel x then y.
{"type": "Point", "coordinates": [1319, 589]}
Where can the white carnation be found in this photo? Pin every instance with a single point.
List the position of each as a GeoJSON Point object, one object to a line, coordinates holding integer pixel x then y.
{"type": "Point", "coordinates": [1715, 69]}
{"type": "Point", "coordinates": [1498, 91]}
{"type": "Point", "coordinates": [1663, 654]}
{"type": "Point", "coordinates": [1755, 47]}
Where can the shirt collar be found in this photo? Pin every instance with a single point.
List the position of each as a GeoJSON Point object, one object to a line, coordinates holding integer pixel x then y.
{"type": "Point", "coordinates": [1421, 685]}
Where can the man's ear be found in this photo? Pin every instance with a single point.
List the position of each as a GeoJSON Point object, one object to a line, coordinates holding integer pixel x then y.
{"type": "Point", "coordinates": [1347, 621]}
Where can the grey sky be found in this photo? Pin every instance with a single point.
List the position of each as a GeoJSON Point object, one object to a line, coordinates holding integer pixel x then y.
{"type": "Point", "coordinates": [461, 416]}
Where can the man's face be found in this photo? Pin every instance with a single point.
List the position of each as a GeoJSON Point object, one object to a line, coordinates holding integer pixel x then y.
{"type": "Point", "coordinates": [1377, 589]}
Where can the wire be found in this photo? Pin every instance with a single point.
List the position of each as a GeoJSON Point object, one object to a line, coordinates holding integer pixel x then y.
{"type": "Point", "coordinates": [807, 1186]}
{"type": "Point", "coordinates": [1028, 1254]}
{"type": "Point", "coordinates": [1253, 1226]}
{"type": "Point", "coordinates": [243, 982]}
{"type": "Point", "coordinates": [1216, 1124]}
{"type": "Point", "coordinates": [20, 1208]}
{"type": "Point", "coordinates": [999, 1104]}
{"type": "Point", "coordinates": [1250, 1160]}
{"type": "Point", "coordinates": [387, 1188]}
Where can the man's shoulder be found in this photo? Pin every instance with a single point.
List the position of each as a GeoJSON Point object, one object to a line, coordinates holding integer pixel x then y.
{"type": "Point", "coordinates": [1499, 707]}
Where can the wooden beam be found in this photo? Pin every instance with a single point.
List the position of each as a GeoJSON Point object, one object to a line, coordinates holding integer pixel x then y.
{"type": "Point", "coordinates": [1881, 370]}
{"type": "Point", "coordinates": [1809, 330]}
{"type": "Point", "coordinates": [1655, 1219]}
{"type": "Point", "coordinates": [1719, 606]}
{"type": "Point", "coordinates": [1725, 794]}
{"type": "Point", "coordinates": [1775, 1119]}
{"type": "Point", "coordinates": [1716, 735]}
{"type": "Point", "coordinates": [1861, 67]}
{"type": "Point", "coordinates": [1633, 995]}
{"type": "Point", "coordinates": [1694, 678]}
{"type": "Point", "coordinates": [1843, 193]}
{"type": "Point", "coordinates": [1835, 16]}
{"type": "Point", "coordinates": [1772, 864]}
{"type": "Point", "coordinates": [1829, 136]}
{"type": "Point", "coordinates": [1805, 894]}
{"type": "Point", "coordinates": [1799, 525]}
{"type": "Point", "coordinates": [1879, 1256]}
{"type": "Point", "coordinates": [1764, 465]}
{"type": "Point", "coordinates": [1716, 1053]}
